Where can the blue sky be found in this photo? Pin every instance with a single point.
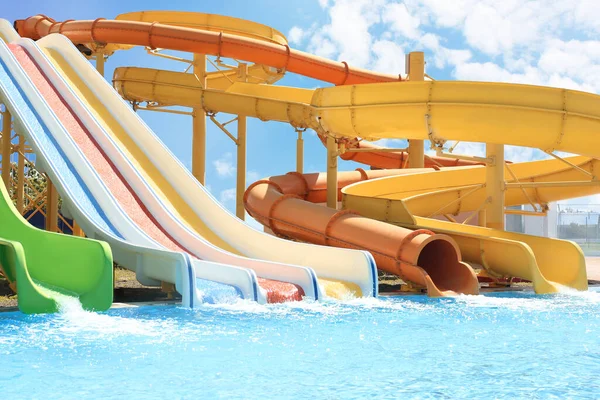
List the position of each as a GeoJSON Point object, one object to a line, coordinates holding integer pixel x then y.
{"type": "Point", "coordinates": [536, 42]}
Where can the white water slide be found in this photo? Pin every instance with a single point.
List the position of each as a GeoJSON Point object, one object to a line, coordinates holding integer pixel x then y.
{"type": "Point", "coordinates": [124, 186]}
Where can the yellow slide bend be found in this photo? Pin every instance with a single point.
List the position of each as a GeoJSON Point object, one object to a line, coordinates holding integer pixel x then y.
{"type": "Point", "coordinates": [412, 200]}
{"type": "Point", "coordinates": [522, 115]}
{"type": "Point", "coordinates": [430, 191]}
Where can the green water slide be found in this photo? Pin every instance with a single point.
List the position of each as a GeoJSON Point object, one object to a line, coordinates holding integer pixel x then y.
{"type": "Point", "coordinates": [45, 265]}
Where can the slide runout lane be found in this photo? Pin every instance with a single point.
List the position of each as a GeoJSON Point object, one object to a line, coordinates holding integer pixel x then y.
{"type": "Point", "coordinates": [131, 204]}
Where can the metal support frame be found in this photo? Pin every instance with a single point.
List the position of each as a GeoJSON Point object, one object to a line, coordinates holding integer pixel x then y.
{"type": "Point", "coordinates": [415, 67]}
{"type": "Point", "coordinates": [240, 186]}
{"type": "Point", "coordinates": [512, 174]}
{"type": "Point", "coordinates": [157, 53]}
{"type": "Point", "coordinates": [476, 212]}
{"type": "Point", "coordinates": [51, 206]}
{"type": "Point", "coordinates": [27, 196]}
{"type": "Point", "coordinates": [77, 231]}
{"type": "Point", "coordinates": [527, 213]}
{"type": "Point", "coordinates": [300, 151]}
{"type": "Point", "coordinates": [162, 109]}
{"type": "Point", "coordinates": [375, 150]}
{"type": "Point", "coordinates": [439, 151]}
{"type": "Point", "coordinates": [222, 127]}
{"type": "Point", "coordinates": [99, 56]}
{"type": "Point", "coordinates": [473, 189]}
{"type": "Point", "coordinates": [332, 170]}
{"type": "Point", "coordinates": [199, 125]}
{"type": "Point", "coordinates": [570, 164]}
{"type": "Point", "coordinates": [6, 146]}
{"type": "Point", "coordinates": [551, 184]}
{"type": "Point", "coordinates": [20, 195]}
{"type": "Point", "coordinates": [495, 186]}
{"type": "Point", "coordinates": [481, 218]}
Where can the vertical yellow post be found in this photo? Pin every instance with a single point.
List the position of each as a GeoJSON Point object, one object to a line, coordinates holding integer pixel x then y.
{"type": "Point", "coordinates": [481, 220]}
{"type": "Point", "coordinates": [51, 206]}
{"type": "Point", "coordinates": [77, 231]}
{"type": "Point", "coordinates": [240, 211]}
{"type": "Point", "coordinates": [300, 153]}
{"type": "Point", "coordinates": [6, 147]}
{"type": "Point", "coordinates": [21, 177]}
{"type": "Point", "coordinates": [415, 67]}
{"type": "Point", "coordinates": [199, 125]}
{"type": "Point", "coordinates": [332, 156]}
{"type": "Point", "coordinates": [494, 184]}
{"type": "Point", "coordinates": [100, 63]}
{"type": "Point", "coordinates": [241, 168]}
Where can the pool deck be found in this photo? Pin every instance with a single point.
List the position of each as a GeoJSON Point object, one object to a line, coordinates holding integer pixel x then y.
{"type": "Point", "coordinates": [593, 268]}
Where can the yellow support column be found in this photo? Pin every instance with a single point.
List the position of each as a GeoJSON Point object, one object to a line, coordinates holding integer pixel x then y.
{"type": "Point", "coordinates": [300, 153]}
{"type": "Point", "coordinates": [240, 211]}
{"type": "Point", "coordinates": [495, 186]}
{"type": "Point", "coordinates": [100, 63]}
{"type": "Point", "coordinates": [332, 156]}
{"type": "Point", "coordinates": [21, 176]}
{"type": "Point", "coordinates": [77, 231]}
{"type": "Point", "coordinates": [199, 125]}
{"type": "Point", "coordinates": [415, 67]}
{"type": "Point", "coordinates": [481, 220]}
{"type": "Point", "coordinates": [6, 147]}
{"type": "Point", "coordinates": [51, 206]}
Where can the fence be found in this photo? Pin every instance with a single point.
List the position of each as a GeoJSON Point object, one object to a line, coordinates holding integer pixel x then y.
{"type": "Point", "coordinates": [581, 224]}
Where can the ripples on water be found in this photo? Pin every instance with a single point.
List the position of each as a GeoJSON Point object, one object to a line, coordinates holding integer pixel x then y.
{"type": "Point", "coordinates": [496, 346]}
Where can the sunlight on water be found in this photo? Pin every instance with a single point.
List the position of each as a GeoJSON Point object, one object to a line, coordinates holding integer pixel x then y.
{"type": "Point", "coordinates": [503, 345]}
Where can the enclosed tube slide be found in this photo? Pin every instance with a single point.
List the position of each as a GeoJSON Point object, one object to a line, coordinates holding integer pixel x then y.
{"type": "Point", "coordinates": [157, 35]}
{"type": "Point", "coordinates": [430, 260]}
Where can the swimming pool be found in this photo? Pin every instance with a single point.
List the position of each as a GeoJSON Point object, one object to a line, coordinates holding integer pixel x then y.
{"type": "Point", "coordinates": [494, 346]}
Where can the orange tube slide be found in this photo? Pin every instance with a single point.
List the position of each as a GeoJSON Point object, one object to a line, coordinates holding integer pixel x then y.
{"type": "Point", "coordinates": [155, 35]}
{"type": "Point", "coordinates": [422, 257]}
{"type": "Point", "coordinates": [392, 160]}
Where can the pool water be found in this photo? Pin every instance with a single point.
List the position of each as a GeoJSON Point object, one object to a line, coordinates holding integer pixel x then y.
{"type": "Point", "coordinates": [516, 345]}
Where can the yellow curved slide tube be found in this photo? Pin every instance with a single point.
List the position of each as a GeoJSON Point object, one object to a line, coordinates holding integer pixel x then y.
{"type": "Point", "coordinates": [412, 200]}
{"type": "Point", "coordinates": [480, 245]}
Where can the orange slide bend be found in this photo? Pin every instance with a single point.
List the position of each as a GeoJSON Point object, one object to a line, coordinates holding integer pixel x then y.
{"type": "Point", "coordinates": [391, 160]}
{"type": "Point", "coordinates": [421, 256]}
{"type": "Point", "coordinates": [156, 35]}
{"type": "Point", "coordinates": [427, 259]}
{"type": "Point", "coordinates": [281, 56]}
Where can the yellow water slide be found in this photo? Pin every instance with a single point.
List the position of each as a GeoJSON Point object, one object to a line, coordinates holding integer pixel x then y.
{"type": "Point", "coordinates": [493, 113]}
{"type": "Point", "coordinates": [345, 112]}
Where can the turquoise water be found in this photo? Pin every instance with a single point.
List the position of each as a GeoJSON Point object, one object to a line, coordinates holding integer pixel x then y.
{"type": "Point", "coordinates": [494, 346]}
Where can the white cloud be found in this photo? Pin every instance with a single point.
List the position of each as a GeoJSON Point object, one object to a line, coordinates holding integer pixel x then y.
{"type": "Point", "coordinates": [224, 165]}
{"type": "Point", "coordinates": [296, 35]}
{"type": "Point", "coordinates": [517, 41]}
{"type": "Point", "coordinates": [227, 195]}
{"type": "Point", "coordinates": [401, 21]}
{"type": "Point", "coordinates": [388, 57]}
{"type": "Point", "coordinates": [347, 35]}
